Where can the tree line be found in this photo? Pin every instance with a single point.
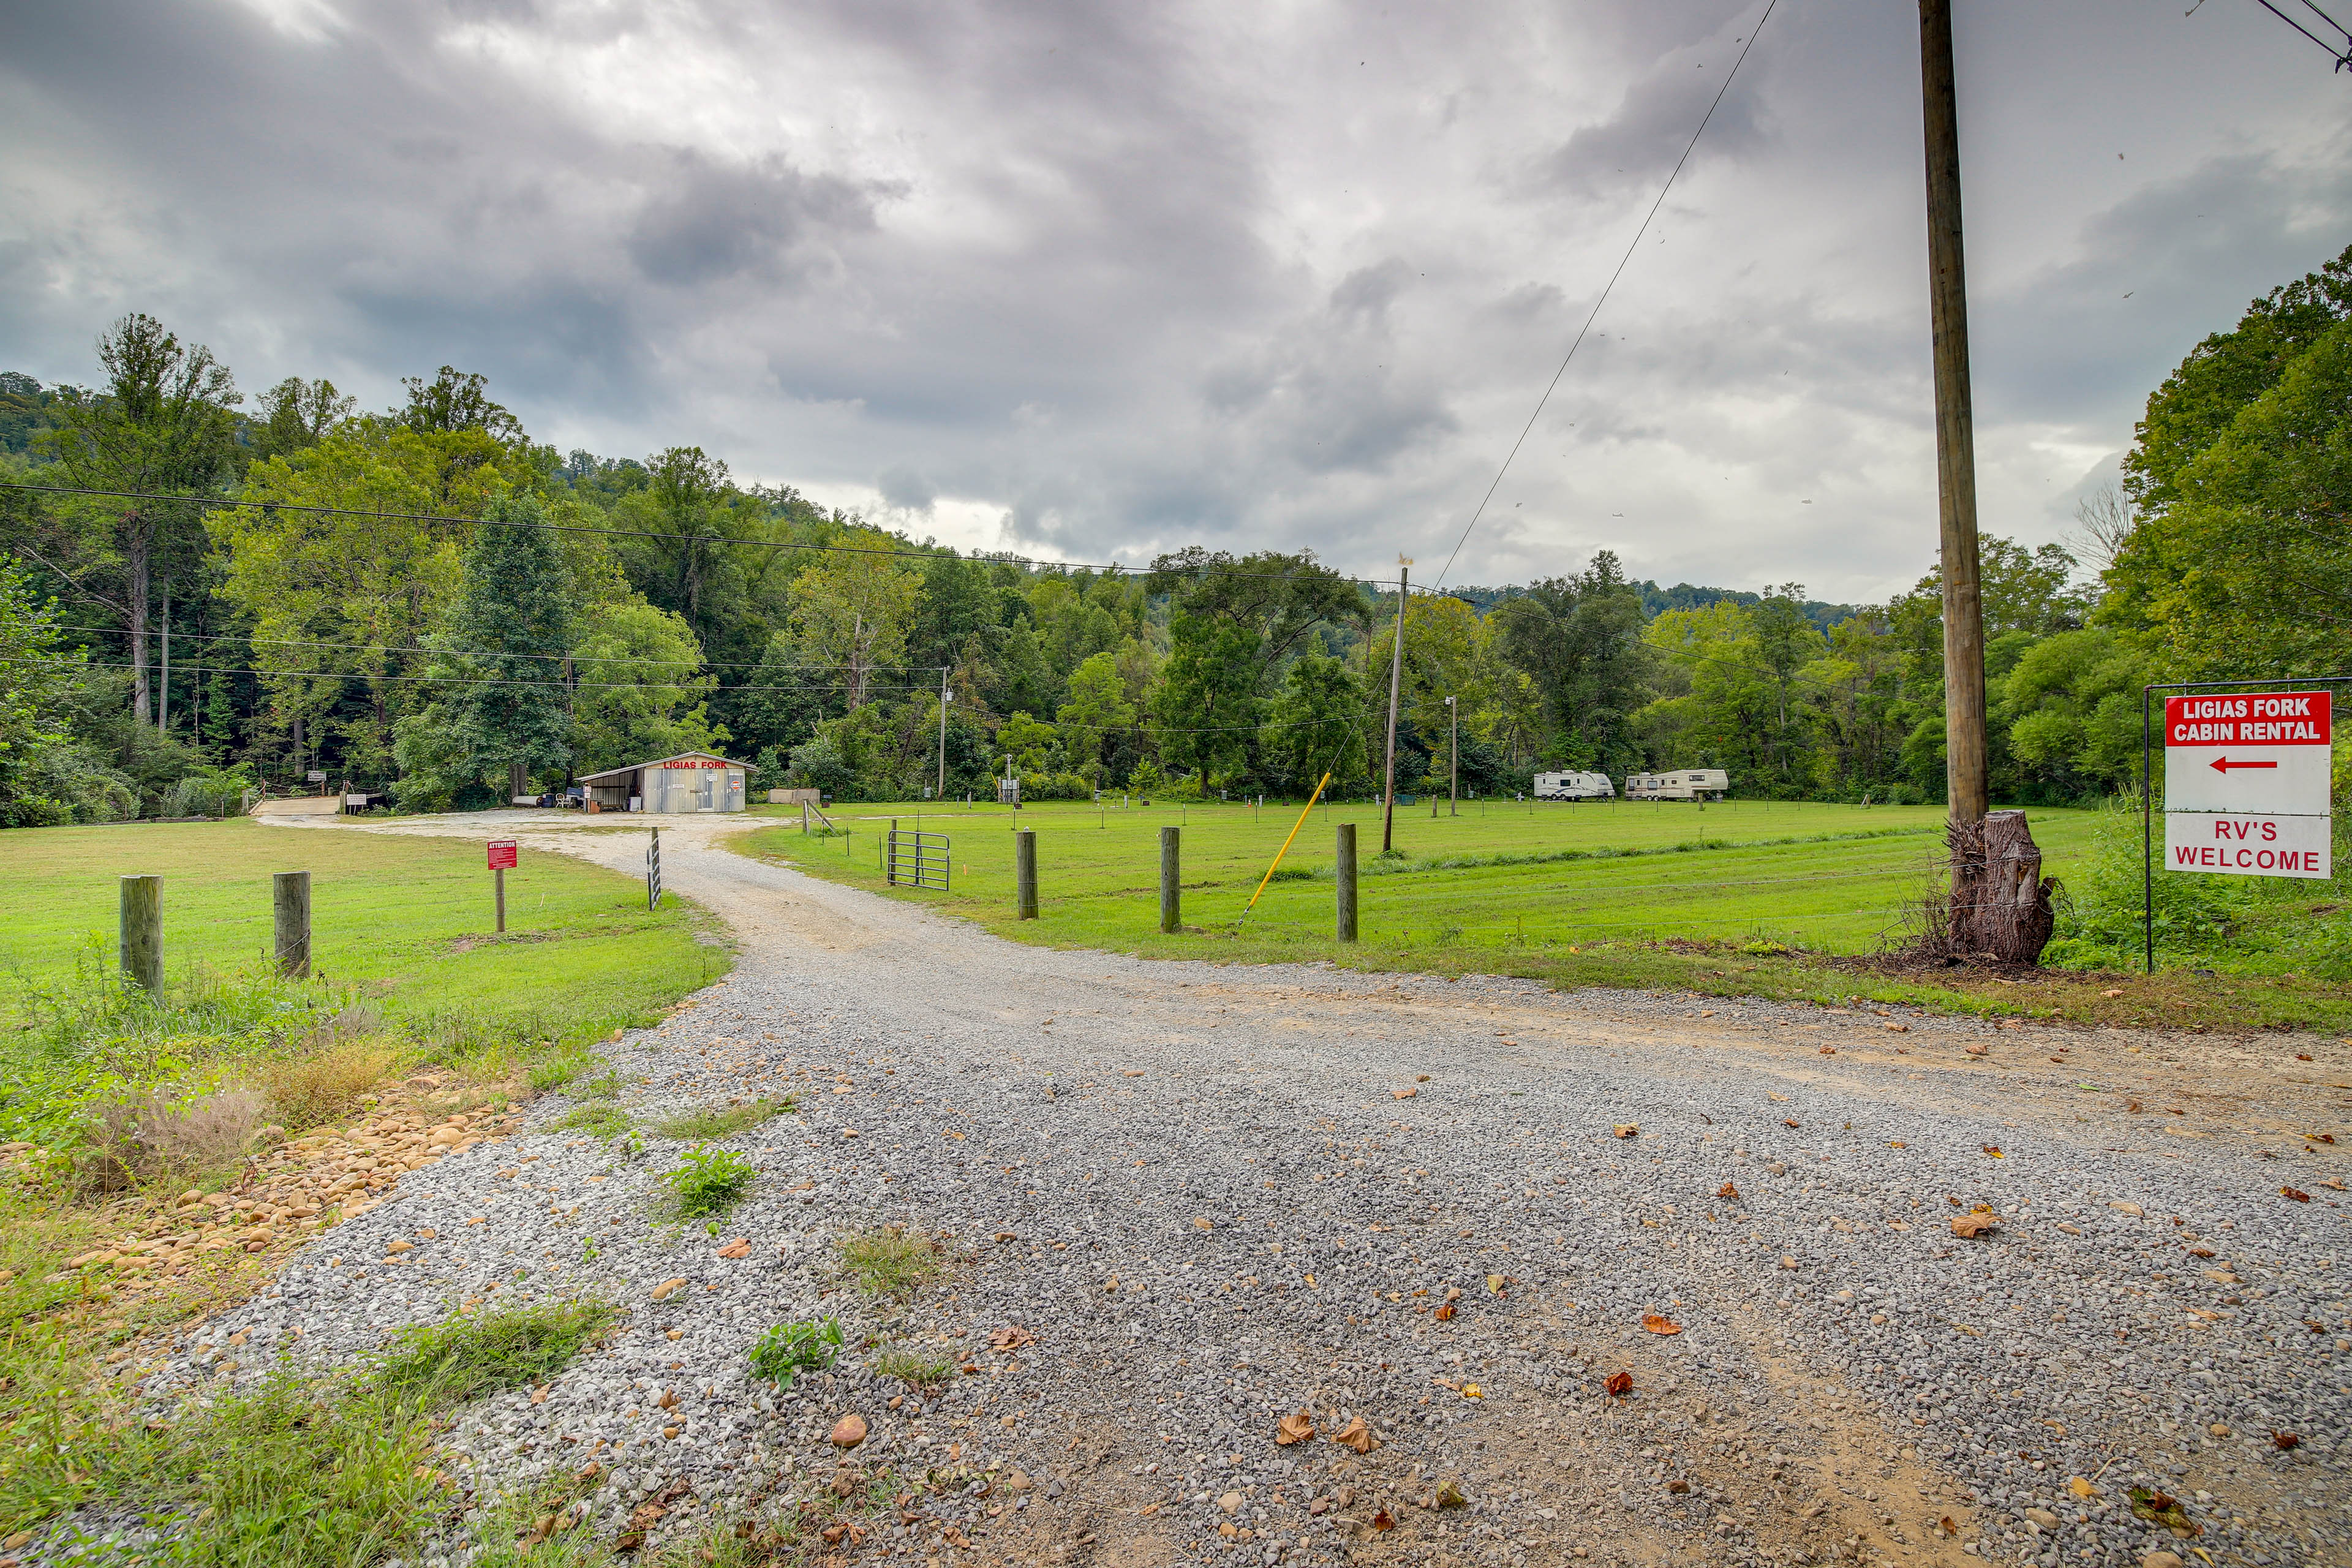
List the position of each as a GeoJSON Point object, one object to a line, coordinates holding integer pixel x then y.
{"type": "Point", "coordinates": [202, 596]}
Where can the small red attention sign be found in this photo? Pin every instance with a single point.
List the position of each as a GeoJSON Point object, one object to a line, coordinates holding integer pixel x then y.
{"type": "Point", "coordinates": [2271, 719]}
{"type": "Point", "coordinates": [502, 854]}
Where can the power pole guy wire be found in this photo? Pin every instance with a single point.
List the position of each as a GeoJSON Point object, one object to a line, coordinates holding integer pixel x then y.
{"type": "Point", "coordinates": [1647, 218]}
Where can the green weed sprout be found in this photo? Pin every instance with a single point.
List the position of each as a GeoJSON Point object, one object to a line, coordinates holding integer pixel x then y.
{"type": "Point", "coordinates": [790, 1348]}
{"type": "Point", "coordinates": [711, 1182]}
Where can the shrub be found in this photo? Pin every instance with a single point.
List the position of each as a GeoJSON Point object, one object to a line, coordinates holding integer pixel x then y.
{"type": "Point", "coordinates": [149, 1135]}
{"type": "Point", "coordinates": [790, 1348]}
{"type": "Point", "coordinates": [711, 1182]}
{"type": "Point", "coordinates": [312, 1091]}
{"type": "Point", "coordinates": [2100, 919]}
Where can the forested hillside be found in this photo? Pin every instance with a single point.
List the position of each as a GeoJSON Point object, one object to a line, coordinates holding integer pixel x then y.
{"type": "Point", "coordinates": [425, 600]}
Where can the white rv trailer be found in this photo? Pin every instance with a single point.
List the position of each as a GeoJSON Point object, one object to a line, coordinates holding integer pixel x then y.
{"type": "Point", "coordinates": [1687, 783]}
{"type": "Point", "coordinates": [1574, 786]}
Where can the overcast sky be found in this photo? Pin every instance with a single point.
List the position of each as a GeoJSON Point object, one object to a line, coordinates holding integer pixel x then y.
{"type": "Point", "coordinates": [1097, 281]}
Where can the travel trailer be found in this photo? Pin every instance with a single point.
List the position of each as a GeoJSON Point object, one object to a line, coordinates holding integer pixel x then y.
{"type": "Point", "coordinates": [1574, 786]}
{"type": "Point", "coordinates": [1688, 783]}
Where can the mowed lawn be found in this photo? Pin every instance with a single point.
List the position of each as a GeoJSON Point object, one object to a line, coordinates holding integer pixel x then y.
{"type": "Point", "coordinates": [409, 921]}
{"type": "Point", "coordinates": [1837, 879]}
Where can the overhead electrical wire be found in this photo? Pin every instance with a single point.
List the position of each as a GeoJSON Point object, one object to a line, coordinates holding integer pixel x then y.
{"type": "Point", "coordinates": [982, 558]}
{"type": "Point", "coordinates": [1595, 314]}
{"type": "Point", "coordinates": [2343, 57]}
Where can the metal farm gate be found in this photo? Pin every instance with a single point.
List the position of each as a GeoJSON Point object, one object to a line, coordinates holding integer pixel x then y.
{"type": "Point", "coordinates": [911, 859]}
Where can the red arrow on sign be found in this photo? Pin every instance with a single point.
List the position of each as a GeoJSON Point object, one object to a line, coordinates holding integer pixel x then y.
{"type": "Point", "coordinates": [2223, 764]}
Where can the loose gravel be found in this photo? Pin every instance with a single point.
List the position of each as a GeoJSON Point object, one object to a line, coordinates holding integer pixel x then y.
{"type": "Point", "coordinates": [1179, 1202]}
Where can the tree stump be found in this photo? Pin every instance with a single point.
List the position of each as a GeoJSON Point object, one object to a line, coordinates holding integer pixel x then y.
{"type": "Point", "coordinates": [2000, 907]}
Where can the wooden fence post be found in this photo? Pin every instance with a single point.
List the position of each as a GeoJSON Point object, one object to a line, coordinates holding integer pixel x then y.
{"type": "Point", "coordinates": [1343, 877]}
{"type": "Point", "coordinates": [141, 941]}
{"type": "Point", "coordinates": [1025, 871]}
{"type": "Point", "coordinates": [290, 906]}
{"type": "Point", "coordinates": [1172, 887]}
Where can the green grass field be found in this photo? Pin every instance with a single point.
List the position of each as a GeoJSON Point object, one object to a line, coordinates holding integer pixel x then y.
{"type": "Point", "coordinates": [407, 921]}
{"type": "Point", "coordinates": [1626, 894]}
{"type": "Point", "coordinates": [1834, 878]}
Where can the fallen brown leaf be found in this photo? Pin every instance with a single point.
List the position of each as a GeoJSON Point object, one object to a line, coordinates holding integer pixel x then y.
{"type": "Point", "coordinates": [1012, 1337]}
{"type": "Point", "coordinates": [1992, 1149]}
{"type": "Point", "coordinates": [1678, 1488]}
{"type": "Point", "coordinates": [1402, 1093]}
{"type": "Point", "coordinates": [2291, 1192]}
{"type": "Point", "coordinates": [1444, 1314]}
{"type": "Point", "coordinates": [1968, 1226]}
{"type": "Point", "coordinates": [1659, 1323]}
{"type": "Point", "coordinates": [1382, 1521]}
{"type": "Point", "coordinates": [1450, 1496]}
{"type": "Point", "coordinates": [739, 1247]}
{"type": "Point", "coordinates": [1357, 1435]}
{"type": "Point", "coordinates": [2285, 1440]}
{"type": "Point", "coordinates": [1727, 1191]}
{"type": "Point", "coordinates": [1625, 1129]}
{"type": "Point", "coordinates": [1620, 1383]}
{"type": "Point", "coordinates": [1788, 1122]}
{"type": "Point", "coordinates": [1296, 1427]}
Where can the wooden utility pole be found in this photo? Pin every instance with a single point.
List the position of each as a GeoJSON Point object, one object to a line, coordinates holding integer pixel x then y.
{"type": "Point", "coordinates": [943, 737]}
{"type": "Point", "coordinates": [1396, 682]}
{"type": "Point", "coordinates": [1453, 757]}
{"type": "Point", "coordinates": [1999, 905]}
{"type": "Point", "coordinates": [1956, 454]}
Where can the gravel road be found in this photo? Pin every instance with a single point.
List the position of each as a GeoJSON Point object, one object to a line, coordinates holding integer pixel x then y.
{"type": "Point", "coordinates": [1179, 1202]}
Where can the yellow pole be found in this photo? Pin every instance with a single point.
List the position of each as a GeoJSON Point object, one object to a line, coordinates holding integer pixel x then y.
{"type": "Point", "coordinates": [1279, 854]}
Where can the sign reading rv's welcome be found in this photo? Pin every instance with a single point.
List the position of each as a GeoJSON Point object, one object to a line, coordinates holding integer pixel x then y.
{"type": "Point", "coordinates": [2245, 784]}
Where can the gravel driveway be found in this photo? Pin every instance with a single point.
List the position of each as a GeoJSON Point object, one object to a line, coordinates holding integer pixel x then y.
{"type": "Point", "coordinates": [1209, 1197]}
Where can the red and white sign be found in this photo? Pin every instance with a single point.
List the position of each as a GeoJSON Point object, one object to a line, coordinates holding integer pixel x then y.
{"type": "Point", "coordinates": [2246, 783]}
{"type": "Point", "coordinates": [502, 854]}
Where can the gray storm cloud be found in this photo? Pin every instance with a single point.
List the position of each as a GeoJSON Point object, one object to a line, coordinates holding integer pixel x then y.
{"type": "Point", "coordinates": [1111, 279]}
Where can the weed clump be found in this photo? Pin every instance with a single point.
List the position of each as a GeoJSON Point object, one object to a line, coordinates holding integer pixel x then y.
{"type": "Point", "coordinates": [550, 1073]}
{"type": "Point", "coordinates": [910, 1367]}
{"type": "Point", "coordinates": [701, 1126]}
{"type": "Point", "coordinates": [711, 1182]}
{"type": "Point", "coordinates": [890, 1262]}
{"type": "Point", "coordinates": [467, 1357]}
{"type": "Point", "coordinates": [319, 1088]}
{"type": "Point", "coordinates": [601, 1118]}
{"type": "Point", "coordinates": [790, 1348]}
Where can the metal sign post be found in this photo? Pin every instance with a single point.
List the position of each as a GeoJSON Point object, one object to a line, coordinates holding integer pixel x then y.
{"type": "Point", "coordinates": [502, 860]}
{"type": "Point", "coordinates": [653, 873]}
{"type": "Point", "coordinates": [2246, 783]}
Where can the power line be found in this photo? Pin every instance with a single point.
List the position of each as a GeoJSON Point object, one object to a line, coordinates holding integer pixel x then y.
{"type": "Point", "coordinates": [2342, 57]}
{"type": "Point", "coordinates": [983, 558]}
{"type": "Point", "coordinates": [1647, 218]}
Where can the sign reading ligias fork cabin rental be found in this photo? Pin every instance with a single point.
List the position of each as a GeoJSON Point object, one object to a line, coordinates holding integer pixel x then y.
{"type": "Point", "coordinates": [2246, 783]}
